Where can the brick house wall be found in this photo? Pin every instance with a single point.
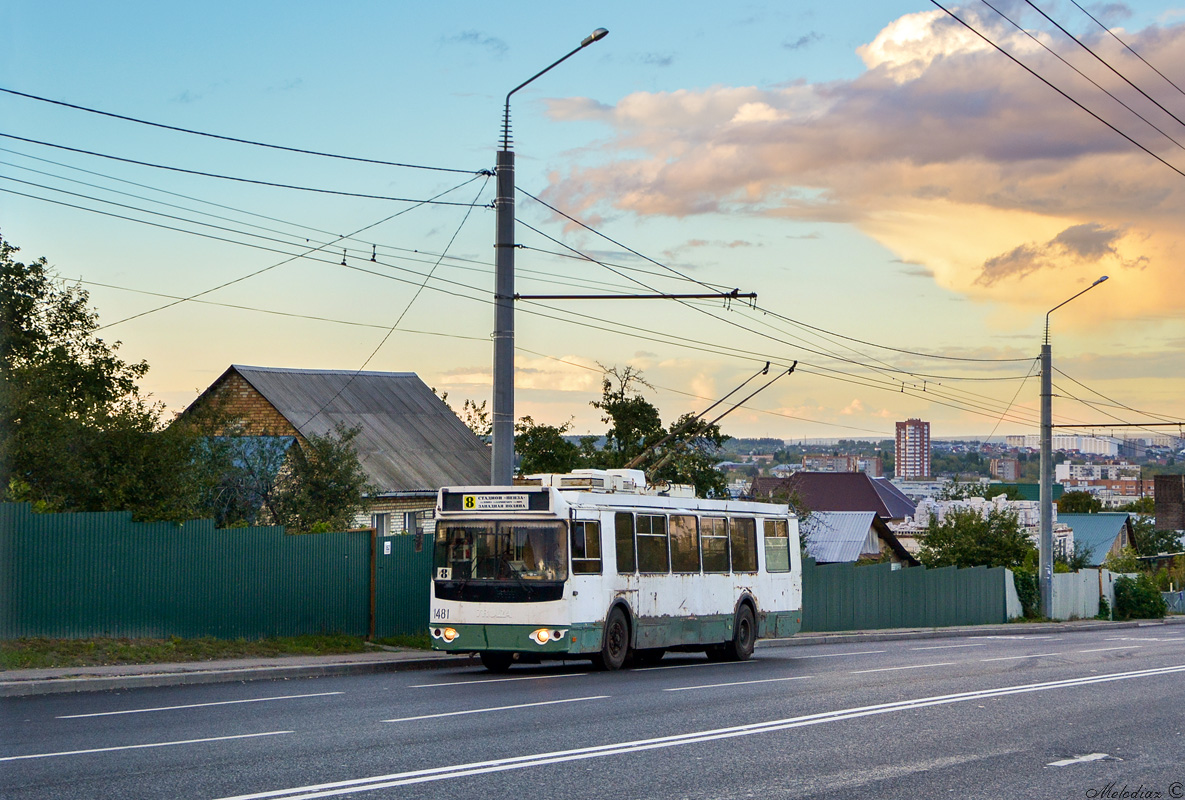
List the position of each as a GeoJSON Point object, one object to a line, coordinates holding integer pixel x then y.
{"type": "Point", "coordinates": [240, 401]}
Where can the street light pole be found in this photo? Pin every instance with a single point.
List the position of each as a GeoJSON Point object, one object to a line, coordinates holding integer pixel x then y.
{"type": "Point", "coordinates": [502, 455]}
{"type": "Point", "coordinates": [1045, 550]}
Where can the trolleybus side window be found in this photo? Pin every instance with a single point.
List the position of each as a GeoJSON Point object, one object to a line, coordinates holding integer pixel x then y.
{"type": "Point", "coordinates": [777, 545]}
{"type": "Point", "coordinates": [653, 555]}
{"type": "Point", "coordinates": [714, 532]}
{"type": "Point", "coordinates": [623, 530]}
{"type": "Point", "coordinates": [586, 547]}
{"type": "Point", "coordinates": [744, 544]}
{"type": "Point", "coordinates": [684, 543]}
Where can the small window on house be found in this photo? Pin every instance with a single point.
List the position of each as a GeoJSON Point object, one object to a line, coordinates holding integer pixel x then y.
{"type": "Point", "coordinates": [623, 533]}
{"type": "Point", "coordinates": [777, 545]}
{"type": "Point", "coordinates": [653, 555]}
{"type": "Point", "coordinates": [381, 523]}
{"type": "Point", "coordinates": [684, 543]}
{"type": "Point", "coordinates": [743, 532]}
{"type": "Point", "coordinates": [586, 548]}
{"type": "Point", "coordinates": [714, 536]}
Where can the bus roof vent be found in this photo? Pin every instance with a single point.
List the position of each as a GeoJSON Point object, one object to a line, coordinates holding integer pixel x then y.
{"type": "Point", "coordinates": [628, 481]}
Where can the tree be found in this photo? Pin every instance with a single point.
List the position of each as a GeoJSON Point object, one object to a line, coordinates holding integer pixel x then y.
{"type": "Point", "coordinates": [1141, 505]}
{"type": "Point", "coordinates": [1079, 502]}
{"type": "Point", "coordinates": [323, 486]}
{"type": "Point", "coordinates": [75, 432]}
{"type": "Point", "coordinates": [965, 538]}
{"type": "Point", "coordinates": [1151, 542]}
{"type": "Point", "coordinates": [543, 448]}
{"type": "Point", "coordinates": [634, 425]}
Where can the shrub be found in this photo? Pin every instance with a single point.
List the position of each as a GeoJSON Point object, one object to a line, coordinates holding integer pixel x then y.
{"type": "Point", "coordinates": [1028, 592]}
{"type": "Point", "coordinates": [1104, 609]}
{"type": "Point", "coordinates": [1138, 599]}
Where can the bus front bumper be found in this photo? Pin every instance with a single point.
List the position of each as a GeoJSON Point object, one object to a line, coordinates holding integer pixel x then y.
{"type": "Point", "coordinates": [544, 640]}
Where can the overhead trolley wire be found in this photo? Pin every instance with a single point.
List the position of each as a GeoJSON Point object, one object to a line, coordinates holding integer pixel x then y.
{"type": "Point", "coordinates": [1104, 62]}
{"type": "Point", "coordinates": [1094, 83]}
{"type": "Point", "coordinates": [1127, 47]}
{"type": "Point", "coordinates": [236, 179]}
{"type": "Point", "coordinates": [236, 139]}
{"type": "Point", "coordinates": [1032, 72]}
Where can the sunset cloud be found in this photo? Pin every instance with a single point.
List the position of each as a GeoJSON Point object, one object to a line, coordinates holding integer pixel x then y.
{"type": "Point", "coordinates": [961, 163]}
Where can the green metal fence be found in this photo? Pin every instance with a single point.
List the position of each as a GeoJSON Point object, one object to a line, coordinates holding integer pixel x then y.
{"type": "Point", "coordinates": [844, 597]}
{"type": "Point", "coordinates": [82, 575]}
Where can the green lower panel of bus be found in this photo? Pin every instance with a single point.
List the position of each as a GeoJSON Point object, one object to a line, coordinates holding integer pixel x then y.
{"type": "Point", "coordinates": [648, 633]}
{"type": "Point", "coordinates": [518, 638]}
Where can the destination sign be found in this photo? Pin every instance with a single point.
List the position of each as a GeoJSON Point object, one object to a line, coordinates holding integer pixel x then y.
{"type": "Point", "coordinates": [495, 502]}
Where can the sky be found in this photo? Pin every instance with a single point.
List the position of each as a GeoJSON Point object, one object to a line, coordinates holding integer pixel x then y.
{"type": "Point", "coordinates": [906, 200]}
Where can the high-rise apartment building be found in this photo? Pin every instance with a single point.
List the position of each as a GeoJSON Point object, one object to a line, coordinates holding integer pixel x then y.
{"type": "Point", "coordinates": [912, 455]}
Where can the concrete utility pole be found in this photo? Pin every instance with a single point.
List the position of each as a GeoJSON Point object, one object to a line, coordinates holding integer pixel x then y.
{"type": "Point", "coordinates": [502, 456]}
{"type": "Point", "coordinates": [1045, 576]}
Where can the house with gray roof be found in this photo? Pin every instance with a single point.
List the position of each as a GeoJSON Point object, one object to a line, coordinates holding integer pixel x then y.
{"type": "Point", "coordinates": [835, 537]}
{"type": "Point", "coordinates": [1101, 534]}
{"type": "Point", "coordinates": [409, 442]}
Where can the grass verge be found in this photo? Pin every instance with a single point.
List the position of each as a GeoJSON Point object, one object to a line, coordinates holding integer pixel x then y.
{"type": "Point", "coordinates": [48, 653]}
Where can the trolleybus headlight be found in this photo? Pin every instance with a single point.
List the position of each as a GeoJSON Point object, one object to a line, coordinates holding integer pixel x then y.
{"type": "Point", "coordinates": [448, 634]}
{"type": "Point", "coordinates": [545, 635]}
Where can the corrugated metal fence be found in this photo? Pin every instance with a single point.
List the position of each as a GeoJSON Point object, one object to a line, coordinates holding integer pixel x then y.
{"type": "Point", "coordinates": [844, 597]}
{"type": "Point", "coordinates": [81, 575]}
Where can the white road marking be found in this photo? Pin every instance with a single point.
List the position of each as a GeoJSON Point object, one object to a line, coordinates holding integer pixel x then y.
{"type": "Point", "coordinates": [1079, 760]}
{"type": "Point", "coordinates": [1105, 649]}
{"type": "Point", "coordinates": [1020, 637]}
{"type": "Point", "coordinates": [840, 655]}
{"type": "Point", "coordinates": [618, 748]}
{"type": "Point", "coordinates": [911, 666]}
{"type": "Point", "coordinates": [688, 666]}
{"type": "Point", "coordinates": [948, 646]}
{"type": "Point", "coordinates": [736, 683]}
{"type": "Point", "coordinates": [499, 708]}
{"type": "Point", "coordinates": [196, 705]}
{"type": "Point", "coordinates": [495, 680]}
{"type": "Point", "coordinates": [143, 746]}
{"type": "Point", "coordinates": [1014, 658]}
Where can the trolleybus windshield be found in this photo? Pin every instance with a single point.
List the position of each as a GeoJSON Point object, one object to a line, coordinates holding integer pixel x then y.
{"type": "Point", "coordinates": [498, 550]}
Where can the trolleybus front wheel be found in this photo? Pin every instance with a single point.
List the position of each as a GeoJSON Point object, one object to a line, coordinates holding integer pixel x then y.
{"type": "Point", "coordinates": [615, 645]}
{"type": "Point", "coordinates": [744, 634]}
{"type": "Point", "coordinates": [495, 661]}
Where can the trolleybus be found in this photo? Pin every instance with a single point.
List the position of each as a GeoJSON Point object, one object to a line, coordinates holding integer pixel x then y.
{"type": "Point", "coordinates": [596, 564]}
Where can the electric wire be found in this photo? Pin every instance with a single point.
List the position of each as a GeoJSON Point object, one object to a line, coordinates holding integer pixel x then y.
{"type": "Point", "coordinates": [287, 260]}
{"type": "Point", "coordinates": [1104, 62]}
{"type": "Point", "coordinates": [713, 287]}
{"type": "Point", "coordinates": [678, 341]}
{"type": "Point", "coordinates": [1094, 83]}
{"type": "Point", "coordinates": [236, 139]}
{"type": "Point", "coordinates": [1127, 47]}
{"type": "Point", "coordinates": [410, 303]}
{"type": "Point", "coordinates": [1032, 72]}
{"type": "Point", "coordinates": [252, 181]}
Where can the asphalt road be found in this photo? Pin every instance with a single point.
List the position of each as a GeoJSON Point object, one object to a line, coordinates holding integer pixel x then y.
{"type": "Point", "coordinates": [1081, 715]}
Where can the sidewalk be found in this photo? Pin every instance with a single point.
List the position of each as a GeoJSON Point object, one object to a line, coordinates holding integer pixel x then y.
{"type": "Point", "coordinates": [25, 682]}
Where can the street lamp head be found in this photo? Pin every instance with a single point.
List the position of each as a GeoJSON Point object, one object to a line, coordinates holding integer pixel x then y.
{"type": "Point", "coordinates": [595, 36]}
{"type": "Point", "coordinates": [1100, 280]}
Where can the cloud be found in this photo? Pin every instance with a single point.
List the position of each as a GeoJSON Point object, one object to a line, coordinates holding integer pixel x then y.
{"type": "Point", "coordinates": [478, 39]}
{"type": "Point", "coordinates": [657, 59]}
{"type": "Point", "coordinates": [1085, 244]}
{"type": "Point", "coordinates": [940, 151]}
{"type": "Point", "coordinates": [802, 41]}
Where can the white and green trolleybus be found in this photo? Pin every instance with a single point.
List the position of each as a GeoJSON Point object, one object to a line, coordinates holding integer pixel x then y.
{"type": "Point", "coordinates": [595, 564]}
